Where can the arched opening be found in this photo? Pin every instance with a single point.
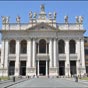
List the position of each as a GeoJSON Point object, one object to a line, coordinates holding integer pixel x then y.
{"type": "Point", "coordinates": [12, 46]}
{"type": "Point", "coordinates": [61, 46]}
{"type": "Point", "coordinates": [23, 49]}
{"type": "Point", "coordinates": [72, 46]}
{"type": "Point", "coordinates": [42, 46]}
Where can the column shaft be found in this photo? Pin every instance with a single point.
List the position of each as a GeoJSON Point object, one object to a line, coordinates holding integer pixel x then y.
{"type": "Point", "coordinates": [67, 62]}
{"type": "Point", "coordinates": [46, 68]}
{"type": "Point", "coordinates": [17, 62]}
{"type": "Point", "coordinates": [6, 54]}
{"type": "Point", "coordinates": [46, 48]}
{"type": "Point", "coordinates": [34, 52]}
{"type": "Point", "coordinates": [38, 67]}
{"type": "Point", "coordinates": [78, 56]}
{"type": "Point", "coordinates": [50, 52]}
{"type": "Point", "coordinates": [38, 48]}
{"type": "Point", "coordinates": [28, 55]}
{"type": "Point", "coordinates": [82, 57]}
{"type": "Point", "coordinates": [55, 53]}
{"type": "Point", "coordinates": [6, 58]}
{"type": "Point", "coordinates": [2, 53]}
{"type": "Point", "coordinates": [2, 57]}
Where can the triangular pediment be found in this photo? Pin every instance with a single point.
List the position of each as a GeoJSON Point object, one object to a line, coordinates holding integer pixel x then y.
{"type": "Point", "coordinates": [42, 26]}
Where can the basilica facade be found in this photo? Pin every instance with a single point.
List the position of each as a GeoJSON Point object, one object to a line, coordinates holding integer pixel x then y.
{"type": "Point", "coordinates": [42, 47]}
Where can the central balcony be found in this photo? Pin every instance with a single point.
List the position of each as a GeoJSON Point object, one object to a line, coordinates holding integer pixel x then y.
{"type": "Point", "coordinates": [62, 56]}
{"type": "Point", "coordinates": [42, 56]}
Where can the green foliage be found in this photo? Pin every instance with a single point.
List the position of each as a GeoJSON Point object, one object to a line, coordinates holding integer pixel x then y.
{"type": "Point", "coordinates": [4, 78]}
{"type": "Point", "coordinates": [84, 78]}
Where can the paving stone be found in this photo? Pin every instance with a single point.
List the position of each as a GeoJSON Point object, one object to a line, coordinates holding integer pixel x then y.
{"type": "Point", "coordinates": [50, 83]}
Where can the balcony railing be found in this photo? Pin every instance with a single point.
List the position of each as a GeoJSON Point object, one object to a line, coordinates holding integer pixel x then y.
{"type": "Point", "coordinates": [73, 56]}
{"type": "Point", "coordinates": [62, 56]}
{"type": "Point", "coordinates": [61, 26]}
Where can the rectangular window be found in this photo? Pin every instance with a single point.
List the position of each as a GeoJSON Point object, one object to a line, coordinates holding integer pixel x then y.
{"type": "Point", "coordinates": [86, 51]}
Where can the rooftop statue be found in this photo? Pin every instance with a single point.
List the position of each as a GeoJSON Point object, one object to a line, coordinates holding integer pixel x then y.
{"type": "Point", "coordinates": [18, 19]}
{"type": "Point", "coordinates": [35, 14]}
{"type": "Point", "coordinates": [30, 14]}
{"type": "Point", "coordinates": [77, 19]}
{"type": "Point", "coordinates": [42, 8]}
{"type": "Point", "coordinates": [50, 15]}
{"type": "Point", "coordinates": [80, 19]}
{"type": "Point", "coordinates": [5, 19]}
{"type": "Point", "coordinates": [66, 19]}
{"type": "Point", "coordinates": [54, 14]}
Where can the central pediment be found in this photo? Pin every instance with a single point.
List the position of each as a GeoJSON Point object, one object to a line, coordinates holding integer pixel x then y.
{"type": "Point", "coordinates": [42, 26]}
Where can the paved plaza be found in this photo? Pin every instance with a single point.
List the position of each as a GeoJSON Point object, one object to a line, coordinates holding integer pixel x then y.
{"type": "Point", "coordinates": [51, 83]}
{"type": "Point", "coordinates": [7, 83]}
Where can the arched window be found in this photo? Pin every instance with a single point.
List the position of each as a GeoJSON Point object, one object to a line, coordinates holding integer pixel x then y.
{"type": "Point", "coordinates": [61, 46]}
{"type": "Point", "coordinates": [72, 46]}
{"type": "Point", "coordinates": [42, 46]}
{"type": "Point", "coordinates": [23, 47]}
{"type": "Point", "coordinates": [12, 46]}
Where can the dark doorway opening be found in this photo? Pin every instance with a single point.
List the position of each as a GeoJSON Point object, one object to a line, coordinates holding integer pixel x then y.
{"type": "Point", "coordinates": [11, 68]}
{"type": "Point", "coordinates": [87, 69]}
{"type": "Point", "coordinates": [42, 68]}
{"type": "Point", "coordinates": [23, 68]}
{"type": "Point", "coordinates": [73, 67]}
{"type": "Point", "coordinates": [61, 68]}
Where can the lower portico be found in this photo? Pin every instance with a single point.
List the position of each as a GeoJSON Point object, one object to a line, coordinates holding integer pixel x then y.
{"type": "Point", "coordinates": [44, 59]}
{"type": "Point", "coordinates": [43, 69]}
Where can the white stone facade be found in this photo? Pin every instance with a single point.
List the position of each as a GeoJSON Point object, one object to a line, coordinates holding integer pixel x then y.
{"type": "Point", "coordinates": [40, 27]}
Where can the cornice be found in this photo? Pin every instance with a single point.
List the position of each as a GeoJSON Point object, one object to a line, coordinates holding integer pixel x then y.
{"type": "Point", "coordinates": [1, 31]}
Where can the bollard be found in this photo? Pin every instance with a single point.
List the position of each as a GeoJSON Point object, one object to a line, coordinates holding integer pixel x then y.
{"type": "Point", "coordinates": [13, 78]}
{"type": "Point", "coordinates": [28, 77]}
{"type": "Point", "coordinates": [37, 76]}
{"type": "Point", "coordinates": [76, 79]}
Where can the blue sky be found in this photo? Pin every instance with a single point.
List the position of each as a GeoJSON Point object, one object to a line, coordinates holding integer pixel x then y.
{"type": "Point", "coordinates": [22, 8]}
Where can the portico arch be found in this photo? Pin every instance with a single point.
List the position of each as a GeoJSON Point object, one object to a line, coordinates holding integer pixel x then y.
{"type": "Point", "coordinates": [23, 47]}
{"type": "Point", "coordinates": [72, 46]}
{"type": "Point", "coordinates": [61, 46]}
{"type": "Point", "coordinates": [12, 46]}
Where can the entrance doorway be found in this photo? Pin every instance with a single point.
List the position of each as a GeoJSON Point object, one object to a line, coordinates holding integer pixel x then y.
{"type": "Point", "coordinates": [11, 67]}
{"type": "Point", "coordinates": [23, 68]}
{"type": "Point", "coordinates": [42, 68]}
{"type": "Point", "coordinates": [61, 68]}
{"type": "Point", "coordinates": [73, 67]}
